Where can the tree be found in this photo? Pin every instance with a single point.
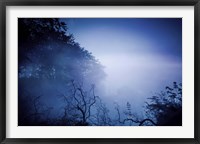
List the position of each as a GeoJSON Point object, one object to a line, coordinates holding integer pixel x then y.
{"type": "Point", "coordinates": [101, 115]}
{"type": "Point", "coordinates": [166, 107]}
{"type": "Point", "coordinates": [83, 101]}
{"type": "Point", "coordinates": [33, 111]}
{"type": "Point", "coordinates": [81, 105]}
{"type": "Point", "coordinates": [162, 109]}
{"type": "Point", "coordinates": [49, 59]}
{"type": "Point", "coordinates": [129, 118]}
{"type": "Point", "coordinates": [46, 51]}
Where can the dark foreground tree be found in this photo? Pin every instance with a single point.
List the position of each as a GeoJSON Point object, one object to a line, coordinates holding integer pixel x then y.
{"type": "Point", "coordinates": [49, 59]}
{"type": "Point", "coordinates": [130, 118]}
{"type": "Point", "coordinates": [162, 109]}
{"type": "Point", "coordinates": [79, 104]}
{"type": "Point", "coordinates": [46, 51]}
{"type": "Point", "coordinates": [165, 108]}
{"type": "Point", "coordinates": [33, 112]}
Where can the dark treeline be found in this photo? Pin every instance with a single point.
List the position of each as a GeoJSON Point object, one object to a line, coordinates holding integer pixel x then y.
{"type": "Point", "coordinates": [58, 83]}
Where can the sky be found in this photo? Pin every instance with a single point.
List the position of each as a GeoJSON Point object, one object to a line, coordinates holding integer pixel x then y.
{"type": "Point", "coordinates": [141, 56]}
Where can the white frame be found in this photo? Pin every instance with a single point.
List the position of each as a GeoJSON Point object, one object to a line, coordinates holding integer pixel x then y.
{"type": "Point", "coordinates": [184, 12]}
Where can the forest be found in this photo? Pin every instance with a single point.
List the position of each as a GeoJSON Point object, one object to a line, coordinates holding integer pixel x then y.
{"type": "Point", "coordinates": [60, 84]}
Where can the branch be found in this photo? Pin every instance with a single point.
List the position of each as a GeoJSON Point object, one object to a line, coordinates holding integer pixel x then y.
{"type": "Point", "coordinates": [83, 98]}
{"type": "Point", "coordinates": [141, 122]}
{"type": "Point", "coordinates": [35, 103]}
{"type": "Point", "coordinates": [119, 116]}
{"type": "Point", "coordinates": [89, 108]}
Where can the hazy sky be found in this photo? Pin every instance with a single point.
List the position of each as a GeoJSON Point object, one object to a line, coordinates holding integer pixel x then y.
{"type": "Point", "coordinates": [141, 55]}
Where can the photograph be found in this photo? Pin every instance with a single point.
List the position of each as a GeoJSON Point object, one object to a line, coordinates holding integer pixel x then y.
{"type": "Point", "coordinates": [92, 71]}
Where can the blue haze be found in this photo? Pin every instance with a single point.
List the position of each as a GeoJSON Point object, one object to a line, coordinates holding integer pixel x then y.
{"type": "Point", "coordinates": [141, 55]}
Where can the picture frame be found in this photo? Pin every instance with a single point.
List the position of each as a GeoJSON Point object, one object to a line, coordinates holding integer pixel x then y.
{"type": "Point", "coordinates": [3, 106]}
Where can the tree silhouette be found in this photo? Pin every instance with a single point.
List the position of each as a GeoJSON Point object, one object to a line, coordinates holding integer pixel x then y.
{"type": "Point", "coordinates": [49, 57]}
{"type": "Point", "coordinates": [46, 51]}
{"type": "Point", "coordinates": [166, 107]}
{"type": "Point", "coordinates": [79, 104]}
{"type": "Point", "coordinates": [130, 118]}
{"type": "Point", "coordinates": [34, 113]}
{"type": "Point", "coordinates": [84, 100]}
{"type": "Point", "coordinates": [102, 115]}
{"type": "Point", "coordinates": [162, 109]}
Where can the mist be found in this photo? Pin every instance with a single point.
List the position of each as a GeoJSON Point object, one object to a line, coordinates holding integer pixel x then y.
{"type": "Point", "coordinates": [100, 71]}
{"type": "Point", "coordinates": [140, 56]}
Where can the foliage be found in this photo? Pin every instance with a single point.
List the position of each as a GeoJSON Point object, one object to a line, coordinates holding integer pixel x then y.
{"type": "Point", "coordinates": [33, 111]}
{"type": "Point", "coordinates": [46, 51]}
{"type": "Point", "coordinates": [162, 109]}
{"type": "Point", "coordinates": [49, 59]}
{"type": "Point", "coordinates": [166, 107]}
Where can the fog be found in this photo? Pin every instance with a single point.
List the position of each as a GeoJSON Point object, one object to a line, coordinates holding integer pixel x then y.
{"type": "Point", "coordinates": [100, 71]}
{"type": "Point", "coordinates": [141, 56]}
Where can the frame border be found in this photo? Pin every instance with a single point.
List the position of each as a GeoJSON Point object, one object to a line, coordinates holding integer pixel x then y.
{"type": "Point", "coordinates": [4, 3]}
